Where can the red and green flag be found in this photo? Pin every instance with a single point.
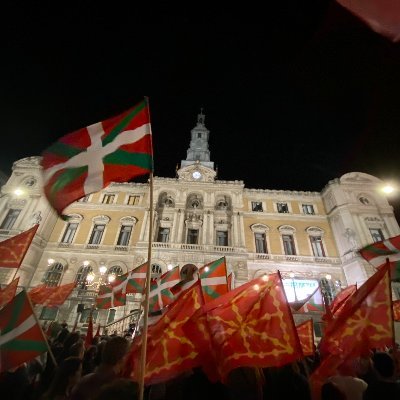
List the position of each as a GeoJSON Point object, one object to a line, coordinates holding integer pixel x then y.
{"type": "Point", "coordinates": [377, 254]}
{"type": "Point", "coordinates": [21, 338]}
{"type": "Point", "coordinates": [314, 303]}
{"type": "Point", "coordinates": [160, 290]}
{"type": "Point", "coordinates": [108, 298]}
{"type": "Point", "coordinates": [8, 293]}
{"type": "Point", "coordinates": [13, 250]}
{"type": "Point", "coordinates": [131, 282]}
{"type": "Point", "coordinates": [87, 160]}
{"type": "Point", "coordinates": [214, 280]}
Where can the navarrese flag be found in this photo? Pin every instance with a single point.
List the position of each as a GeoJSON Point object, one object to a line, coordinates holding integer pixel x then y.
{"type": "Point", "coordinates": [87, 160]}
{"type": "Point", "coordinates": [160, 290]}
{"type": "Point", "coordinates": [108, 298]}
{"type": "Point", "coordinates": [51, 296]}
{"type": "Point", "coordinates": [13, 250]}
{"type": "Point", "coordinates": [377, 253]}
{"type": "Point", "coordinates": [214, 279]}
{"type": "Point", "coordinates": [21, 338]}
{"type": "Point", "coordinates": [341, 299]}
{"type": "Point", "coordinates": [169, 351]}
{"type": "Point", "coordinates": [8, 293]}
{"type": "Point", "coordinates": [305, 332]}
{"type": "Point", "coordinates": [250, 326]}
{"type": "Point", "coordinates": [365, 323]}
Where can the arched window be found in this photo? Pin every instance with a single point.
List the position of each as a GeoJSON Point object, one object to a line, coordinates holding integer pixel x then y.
{"type": "Point", "coordinates": [156, 270]}
{"type": "Point", "coordinates": [81, 276]}
{"type": "Point", "coordinates": [113, 272]}
{"type": "Point", "coordinates": [53, 275]}
{"type": "Point", "coordinates": [316, 240]}
{"type": "Point", "coordinates": [287, 235]}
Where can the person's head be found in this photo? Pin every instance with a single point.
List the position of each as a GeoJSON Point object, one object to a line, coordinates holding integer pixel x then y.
{"type": "Point", "coordinates": [72, 338]}
{"type": "Point", "coordinates": [67, 375]}
{"type": "Point", "coordinates": [114, 352]}
{"type": "Point", "coordinates": [331, 391]}
{"type": "Point", "coordinates": [121, 389]}
{"type": "Point", "coordinates": [62, 335]}
{"type": "Point", "coordinates": [77, 349]}
{"type": "Point", "coordinates": [383, 364]}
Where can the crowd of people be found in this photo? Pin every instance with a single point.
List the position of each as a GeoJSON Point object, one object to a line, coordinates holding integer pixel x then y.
{"type": "Point", "coordinates": [97, 372]}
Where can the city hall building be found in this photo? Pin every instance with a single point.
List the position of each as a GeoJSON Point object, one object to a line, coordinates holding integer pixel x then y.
{"type": "Point", "coordinates": [312, 238]}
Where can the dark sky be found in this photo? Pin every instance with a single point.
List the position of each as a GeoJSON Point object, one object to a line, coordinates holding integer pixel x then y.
{"type": "Point", "coordinates": [294, 95]}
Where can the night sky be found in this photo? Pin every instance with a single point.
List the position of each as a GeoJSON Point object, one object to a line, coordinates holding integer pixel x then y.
{"type": "Point", "coordinates": [294, 96]}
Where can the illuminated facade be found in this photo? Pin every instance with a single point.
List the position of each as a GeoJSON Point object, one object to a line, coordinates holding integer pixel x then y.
{"type": "Point", "coordinates": [309, 237]}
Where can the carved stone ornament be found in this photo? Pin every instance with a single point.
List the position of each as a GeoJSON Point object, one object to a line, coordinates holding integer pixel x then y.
{"type": "Point", "coordinates": [196, 173]}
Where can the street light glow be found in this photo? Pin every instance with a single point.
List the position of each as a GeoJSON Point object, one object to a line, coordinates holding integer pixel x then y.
{"type": "Point", "coordinates": [103, 270]}
{"type": "Point", "coordinates": [18, 192]}
{"type": "Point", "coordinates": [388, 189]}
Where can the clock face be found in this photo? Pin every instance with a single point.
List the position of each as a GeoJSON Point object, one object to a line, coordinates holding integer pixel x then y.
{"type": "Point", "coordinates": [196, 175]}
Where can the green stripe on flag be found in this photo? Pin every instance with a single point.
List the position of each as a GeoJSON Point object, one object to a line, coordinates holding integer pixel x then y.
{"type": "Point", "coordinates": [62, 149]}
{"type": "Point", "coordinates": [378, 251]}
{"type": "Point", "coordinates": [121, 157]}
{"type": "Point", "coordinates": [25, 345]}
{"type": "Point", "coordinates": [18, 305]}
{"type": "Point", "coordinates": [65, 178]}
{"type": "Point", "coordinates": [212, 293]}
{"type": "Point", "coordinates": [123, 123]}
{"type": "Point", "coordinates": [211, 268]}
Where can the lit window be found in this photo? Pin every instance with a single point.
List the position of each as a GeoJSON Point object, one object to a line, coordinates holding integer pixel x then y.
{"type": "Point", "coordinates": [69, 232]}
{"type": "Point", "coordinates": [97, 234]}
{"type": "Point", "coordinates": [115, 270]}
{"type": "Point", "coordinates": [156, 269]}
{"type": "Point", "coordinates": [133, 200]}
{"type": "Point", "coordinates": [163, 235]}
{"type": "Point", "coordinates": [53, 275]}
{"type": "Point", "coordinates": [256, 206]}
{"type": "Point", "coordinates": [377, 235]}
{"type": "Point", "coordinates": [282, 207]}
{"type": "Point", "coordinates": [288, 245]}
{"type": "Point", "coordinates": [10, 219]}
{"type": "Point", "coordinates": [261, 245]}
{"type": "Point", "coordinates": [84, 199]}
{"type": "Point", "coordinates": [108, 199]}
{"type": "Point", "coordinates": [308, 209]}
{"type": "Point", "coordinates": [317, 246]}
{"type": "Point", "coordinates": [222, 238]}
{"type": "Point", "coordinates": [124, 235]}
{"type": "Point", "coordinates": [81, 275]}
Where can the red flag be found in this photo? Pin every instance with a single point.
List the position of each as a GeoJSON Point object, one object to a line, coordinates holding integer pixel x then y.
{"type": "Point", "coordinates": [249, 326]}
{"type": "Point", "coordinates": [396, 310]}
{"type": "Point", "coordinates": [8, 293]}
{"type": "Point", "coordinates": [98, 331]}
{"type": "Point", "coordinates": [89, 332]}
{"type": "Point", "coordinates": [51, 296]}
{"type": "Point", "coordinates": [39, 294]}
{"type": "Point", "coordinates": [108, 298]}
{"type": "Point", "coordinates": [160, 290]}
{"type": "Point", "coordinates": [341, 299]}
{"type": "Point", "coordinates": [131, 282]}
{"type": "Point", "coordinates": [13, 250]}
{"type": "Point", "coordinates": [230, 281]}
{"type": "Point", "coordinates": [87, 160]}
{"type": "Point", "coordinates": [21, 338]}
{"type": "Point", "coordinates": [382, 16]}
{"type": "Point", "coordinates": [169, 351]}
{"type": "Point", "coordinates": [305, 331]}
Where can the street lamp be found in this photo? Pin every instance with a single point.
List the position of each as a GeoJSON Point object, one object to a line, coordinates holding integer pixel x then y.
{"type": "Point", "coordinates": [294, 287]}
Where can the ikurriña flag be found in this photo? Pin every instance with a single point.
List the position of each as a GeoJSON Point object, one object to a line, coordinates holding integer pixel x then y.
{"type": "Point", "coordinates": [8, 293]}
{"type": "Point", "coordinates": [315, 302]}
{"type": "Point", "coordinates": [214, 280]}
{"type": "Point", "coordinates": [13, 250]}
{"type": "Point", "coordinates": [87, 160]}
{"type": "Point", "coordinates": [21, 338]}
{"type": "Point", "coordinates": [377, 254]}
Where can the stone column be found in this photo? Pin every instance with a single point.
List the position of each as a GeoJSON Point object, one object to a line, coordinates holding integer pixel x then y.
{"type": "Point", "coordinates": [144, 226]}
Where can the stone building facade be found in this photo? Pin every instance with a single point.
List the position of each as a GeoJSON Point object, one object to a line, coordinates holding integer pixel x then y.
{"type": "Point", "coordinates": [310, 237]}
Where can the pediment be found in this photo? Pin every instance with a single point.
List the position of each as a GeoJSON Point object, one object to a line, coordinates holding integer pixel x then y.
{"type": "Point", "coordinates": [205, 174]}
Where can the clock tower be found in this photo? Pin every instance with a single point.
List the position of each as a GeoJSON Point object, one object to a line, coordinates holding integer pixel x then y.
{"type": "Point", "coordinates": [197, 166]}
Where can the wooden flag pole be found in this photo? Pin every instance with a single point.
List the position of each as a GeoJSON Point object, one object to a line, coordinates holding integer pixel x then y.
{"type": "Point", "coordinates": [146, 299]}
{"type": "Point", "coordinates": [41, 330]}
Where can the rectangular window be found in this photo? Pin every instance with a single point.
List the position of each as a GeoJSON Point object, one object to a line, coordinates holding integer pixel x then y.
{"type": "Point", "coordinates": [124, 235]}
{"type": "Point", "coordinates": [97, 234]}
{"type": "Point", "coordinates": [163, 235]}
{"type": "Point", "coordinates": [49, 313]}
{"type": "Point", "coordinates": [256, 206]}
{"type": "Point", "coordinates": [222, 238]}
{"type": "Point", "coordinates": [69, 232]}
{"type": "Point", "coordinates": [84, 199]}
{"type": "Point", "coordinates": [317, 246]}
{"type": "Point", "coordinates": [192, 236]}
{"type": "Point", "coordinates": [261, 245]}
{"type": "Point", "coordinates": [377, 235]}
{"type": "Point", "coordinates": [282, 207]}
{"type": "Point", "coordinates": [133, 200]}
{"type": "Point", "coordinates": [108, 199]}
{"type": "Point", "coordinates": [10, 219]}
{"type": "Point", "coordinates": [308, 209]}
{"type": "Point", "coordinates": [111, 315]}
{"type": "Point", "coordinates": [288, 245]}
{"type": "Point", "coordinates": [86, 313]}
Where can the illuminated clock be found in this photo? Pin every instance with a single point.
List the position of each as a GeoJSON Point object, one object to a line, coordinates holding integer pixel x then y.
{"type": "Point", "coordinates": [196, 175]}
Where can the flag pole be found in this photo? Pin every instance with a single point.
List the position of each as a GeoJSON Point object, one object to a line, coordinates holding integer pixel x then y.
{"type": "Point", "coordinates": [143, 349]}
{"type": "Point", "coordinates": [41, 330]}
{"type": "Point", "coordinates": [391, 306]}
